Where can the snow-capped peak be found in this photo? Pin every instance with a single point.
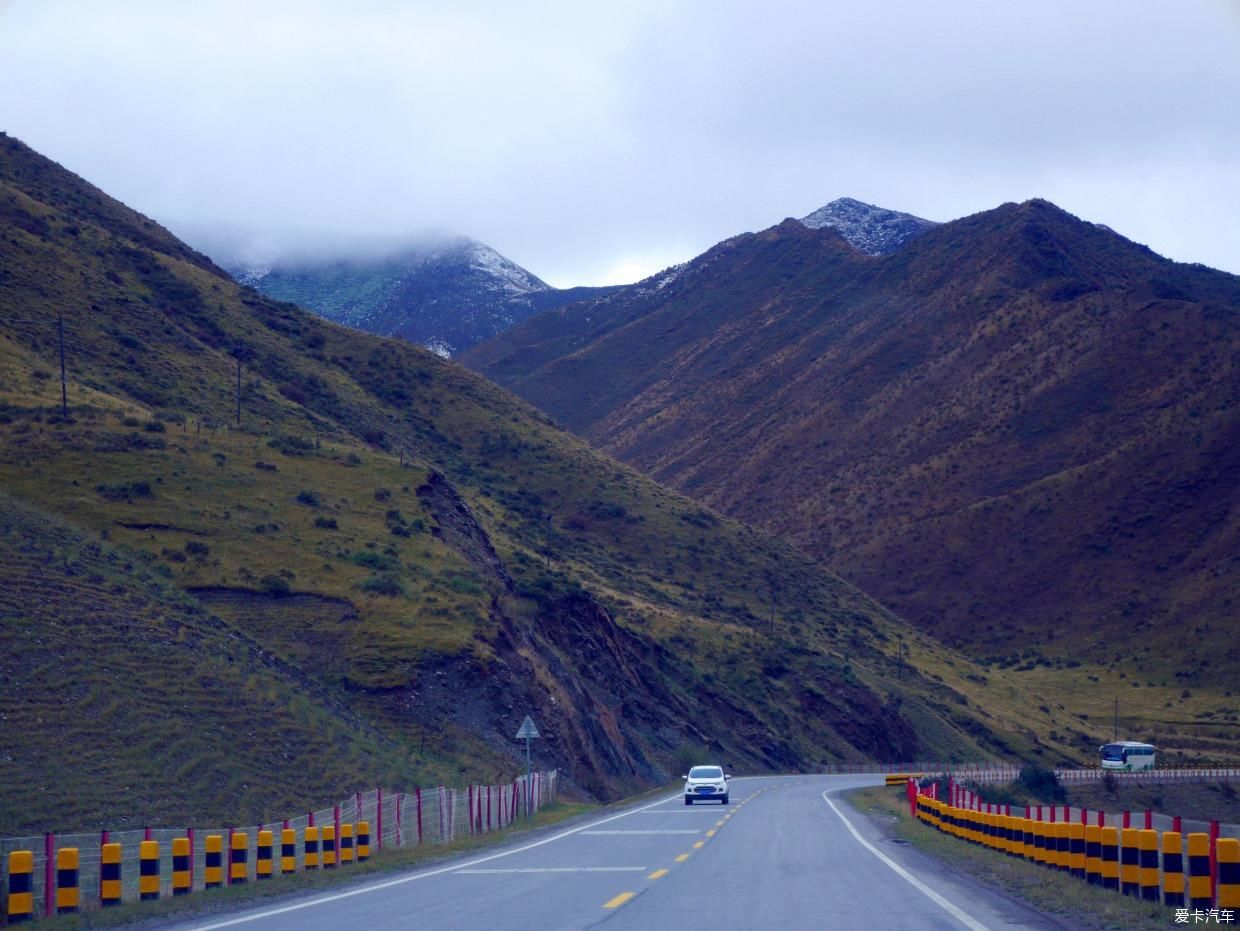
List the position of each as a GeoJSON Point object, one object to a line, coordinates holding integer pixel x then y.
{"type": "Point", "coordinates": [509, 275]}
{"type": "Point", "coordinates": [869, 229]}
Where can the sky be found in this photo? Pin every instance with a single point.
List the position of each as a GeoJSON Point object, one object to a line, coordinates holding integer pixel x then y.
{"type": "Point", "coordinates": [600, 142]}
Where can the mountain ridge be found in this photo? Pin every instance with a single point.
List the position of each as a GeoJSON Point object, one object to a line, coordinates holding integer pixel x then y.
{"type": "Point", "coordinates": [446, 294]}
{"type": "Point", "coordinates": [872, 410]}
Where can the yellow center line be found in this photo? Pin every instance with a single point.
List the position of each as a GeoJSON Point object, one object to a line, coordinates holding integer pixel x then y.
{"type": "Point", "coordinates": [619, 900]}
{"type": "Point", "coordinates": [682, 858]}
{"type": "Point", "coordinates": [719, 823]}
{"type": "Point", "coordinates": [698, 845]}
{"type": "Point", "coordinates": [710, 833]}
{"type": "Point", "coordinates": [657, 874]}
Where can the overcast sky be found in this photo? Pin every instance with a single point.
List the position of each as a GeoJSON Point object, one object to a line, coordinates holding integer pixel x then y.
{"type": "Point", "coordinates": [596, 143]}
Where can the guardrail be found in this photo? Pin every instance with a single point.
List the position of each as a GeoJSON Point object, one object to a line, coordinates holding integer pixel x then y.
{"type": "Point", "coordinates": [66, 873]}
{"type": "Point", "coordinates": [1004, 772]}
{"type": "Point", "coordinates": [1189, 871]}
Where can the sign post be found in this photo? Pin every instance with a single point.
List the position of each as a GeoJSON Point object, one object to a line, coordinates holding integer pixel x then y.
{"type": "Point", "coordinates": [528, 731]}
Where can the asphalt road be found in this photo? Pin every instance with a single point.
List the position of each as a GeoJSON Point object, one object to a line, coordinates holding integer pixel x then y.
{"type": "Point", "coordinates": [787, 854]}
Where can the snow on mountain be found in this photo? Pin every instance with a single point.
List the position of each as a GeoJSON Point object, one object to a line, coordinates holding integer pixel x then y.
{"type": "Point", "coordinates": [251, 274]}
{"type": "Point", "coordinates": [447, 295]}
{"type": "Point", "coordinates": [869, 229]}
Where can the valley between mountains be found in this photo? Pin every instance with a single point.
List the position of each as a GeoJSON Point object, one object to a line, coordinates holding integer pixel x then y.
{"type": "Point", "coordinates": [262, 559]}
{"type": "Point", "coordinates": [259, 558]}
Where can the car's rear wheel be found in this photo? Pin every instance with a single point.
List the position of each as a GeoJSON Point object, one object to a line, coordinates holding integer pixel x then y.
{"type": "Point", "coordinates": [688, 801]}
{"type": "Point", "coordinates": [725, 800]}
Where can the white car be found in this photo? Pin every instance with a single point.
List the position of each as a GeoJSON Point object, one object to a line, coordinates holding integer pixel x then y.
{"type": "Point", "coordinates": [706, 782]}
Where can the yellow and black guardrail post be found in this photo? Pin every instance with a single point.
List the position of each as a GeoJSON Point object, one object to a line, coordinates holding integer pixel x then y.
{"type": "Point", "coordinates": [181, 876]}
{"type": "Point", "coordinates": [346, 843]}
{"type": "Point", "coordinates": [1050, 831]}
{"type": "Point", "coordinates": [110, 875]}
{"type": "Point", "coordinates": [213, 873]}
{"type": "Point", "coordinates": [21, 886]}
{"type": "Point", "coordinates": [288, 851]}
{"type": "Point", "coordinates": [1173, 869]}
{"type": "Point", "coordinates": [1147, 845]}
{"type": "Point", "coordinates": [1200, 888]}
{"type": "Point", "coordinates": [1039, 842]}
{"type": "Point", "coordinates": [1093, 854]}
{"type": "Point", "coordinates": [1110, 858]}
{"type": "Point", "coordinates": [1129, 863]}
{"type": "Point", "coordinates": [1227, 851]}
{"type": "Point", "coordinates": [68, 880]}
{"type": "Point", "coordinates": [238, 859]}
{"type": "Point", "coordinates": [329, 846]}
{"type": "Point", "coordinates": [1052, 844]}
{"type": "Point", "coordinates": [312, 848]}
{"type": "Point", "coordinates": [1076, 850]}
{"type": "Point", "coordinates": [1063, 846]}
{"type": "Point", "coordinates": [363, 841]}
{"type": "Point", "coordinates": [263, 855]}
{"type": "Point", "coordinates": [148, 870]}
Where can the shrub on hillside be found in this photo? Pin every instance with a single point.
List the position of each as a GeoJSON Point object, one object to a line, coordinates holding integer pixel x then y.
{"type": "Point", "coordinates": [373, 560]}
{"type": "Point", "coordinates": [386, 585]}
{"type": "Point", "coordinates": [275, 585]}
{"type": "Point", "coordinates": [688, 756]}
{"type": "Point", "coordinates": [308, 498]}
{"type": "Point", "coordinates": [1042, 783]}
{"type": "Point", "coordinates": [464, 585]}
{"type": "Point", "coordinates": [325, 523]}
{"type": "Point", "coordinates": [125, 491]}
{"type": "Point", "coordinates": [291, 445]}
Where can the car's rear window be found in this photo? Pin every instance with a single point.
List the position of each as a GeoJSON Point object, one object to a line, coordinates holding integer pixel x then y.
{"type": "Point", "coordinates": [705, 772]}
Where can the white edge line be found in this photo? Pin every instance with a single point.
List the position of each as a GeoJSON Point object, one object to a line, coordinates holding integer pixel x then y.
{"type": "Point", "coordinates": [963, 917]}
{"type": "Point", "coordinates": [387, 884]}
{"type": "Point", "coordinates": [559, 869]}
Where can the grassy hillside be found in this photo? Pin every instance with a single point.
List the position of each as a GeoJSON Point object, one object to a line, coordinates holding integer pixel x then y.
{"type": "Point", "coordinates": [412, 548]}
{"type": "Point", "coordinates": [118, 686]}
{"type": "Point", "coordinates": [1020, 431]}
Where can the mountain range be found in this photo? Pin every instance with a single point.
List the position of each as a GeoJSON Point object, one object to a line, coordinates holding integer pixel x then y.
{"type": "Point", "coordinates": [1019, 429]}
{"type": "Point", "coordinates": [447, 293]}
{"type": "Point", "coordinates": [260, 558]}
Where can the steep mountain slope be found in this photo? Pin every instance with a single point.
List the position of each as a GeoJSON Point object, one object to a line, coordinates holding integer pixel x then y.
{"type": "Point", "coordinates": [412, 548]}
{"type": "Point", "coordinates": [447, 296]}
{"type": "Point", "coordinates": [1020, 430]}
{"type": "Point", "coordinates": [869, 229]}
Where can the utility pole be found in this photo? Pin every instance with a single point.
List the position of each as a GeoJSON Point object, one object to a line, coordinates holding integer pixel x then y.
{"type": "Point", "coordinates": [64, 387]}
{"type": "Point", "coordinates": [1116, 733]}
{"type": "Point", "coordinates": [238, 351]}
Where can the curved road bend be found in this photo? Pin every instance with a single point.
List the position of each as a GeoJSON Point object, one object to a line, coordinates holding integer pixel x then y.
{"type": "Point", "coordinates": [787, 854]}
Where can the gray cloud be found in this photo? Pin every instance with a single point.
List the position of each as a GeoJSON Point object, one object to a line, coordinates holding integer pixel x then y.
{"type": "Point", "coordinates": [590, 142]}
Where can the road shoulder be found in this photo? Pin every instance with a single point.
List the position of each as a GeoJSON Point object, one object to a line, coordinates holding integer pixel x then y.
{"type": "Point", "coordinates": [1042, 898]}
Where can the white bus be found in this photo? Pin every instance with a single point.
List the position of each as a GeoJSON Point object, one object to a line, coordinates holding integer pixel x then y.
{"type": "Point", "coordinates": [1127, 755]}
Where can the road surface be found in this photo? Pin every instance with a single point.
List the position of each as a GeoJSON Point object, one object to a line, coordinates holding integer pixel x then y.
{"type": "Point", "coordinates": [786, 854]}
